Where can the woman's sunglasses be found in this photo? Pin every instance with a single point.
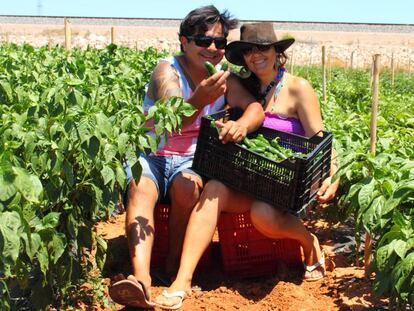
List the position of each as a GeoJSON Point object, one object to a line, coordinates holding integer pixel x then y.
{"type": "Point", "coordinates": [260, 48]}
{"type": "Point", "coordinates": [205, 41]}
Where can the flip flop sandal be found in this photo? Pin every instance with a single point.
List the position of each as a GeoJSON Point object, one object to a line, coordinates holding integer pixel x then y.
{"type": "Point", "coordinates": [180, 294]}
{"type": "Point", "coordinates": [320, 265]}
{"type": "Point", "coordinates": [131, 292]}
{"type": "Point", "coordinates": [117, 278]}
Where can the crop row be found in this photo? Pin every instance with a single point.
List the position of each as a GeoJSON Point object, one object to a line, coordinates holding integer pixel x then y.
{"type": "Point", "coordinates": [377, 190]}
{"type": "Point", "coordinates": [68, 122]}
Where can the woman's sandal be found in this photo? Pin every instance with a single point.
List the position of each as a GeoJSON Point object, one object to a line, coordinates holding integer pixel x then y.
{"type": "Point", "coordinates": [319, 266]}
{"type": "Point", "coordinates": [166, 295]}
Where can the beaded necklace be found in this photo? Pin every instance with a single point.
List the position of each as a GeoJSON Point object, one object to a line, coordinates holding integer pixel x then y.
{"type": "Point", "coordinates": [277, 80]}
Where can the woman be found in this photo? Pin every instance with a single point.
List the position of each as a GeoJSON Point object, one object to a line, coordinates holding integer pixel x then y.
{"type": "Point", "coordinates": [290, 104]}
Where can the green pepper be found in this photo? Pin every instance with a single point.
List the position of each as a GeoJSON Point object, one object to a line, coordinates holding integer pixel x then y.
{"type": "Point", "coordinates": [272, 149]}
{"type": "Point", "coordinates": [263, 139]}
{"type": "Point", "coordinates": [210, 68]}
{"type": "Point", "coordinates": [278, 152]}
{"type": "Point", "coordinates": [248, 143]}
{"type": "Point", "coordinates": [260, 143]}
{"type": "Point", "coordinates": [275, 142]}
{"type": "Point", "coordinates": [258, 149]}
{"type": "Point", "coordinates": [271, 156]}
{"type": "Point", "coordinates": [225, 66]}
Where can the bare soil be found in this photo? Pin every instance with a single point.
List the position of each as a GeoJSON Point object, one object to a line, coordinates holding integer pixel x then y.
{"type": "Point", "coordinates": [343, 288]}
{"type": "Point", "coordinates": [343, 48]}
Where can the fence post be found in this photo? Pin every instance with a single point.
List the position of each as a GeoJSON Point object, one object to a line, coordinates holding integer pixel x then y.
{"type": "Point", "coordinates": [392, 70]}
{"type": "Point", "coordinates": [324, 73]}
{"type": "Point", "coordinates": [351, 65]}
{"type": "Point", "coordinates": [373, 144]}
{"type": "Point", "coordinates": [372, 73]}
{"type": "Point", "coordinates": [329, 61]}
{"type": "Point", "coordinates": [374, 104]}
{"type": "Point", "coordinates": [68, 34]}
{"type": "Point", "coordinates": [113, 35]}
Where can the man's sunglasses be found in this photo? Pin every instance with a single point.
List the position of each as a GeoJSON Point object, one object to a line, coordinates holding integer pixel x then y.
{"type": "Point", "coordinates": [205, 41]}
{"type": "Point", "coordinates": [260, 48]}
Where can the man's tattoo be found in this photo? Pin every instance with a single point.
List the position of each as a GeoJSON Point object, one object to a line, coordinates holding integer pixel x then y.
{"type": "Point", "coordinates": [164, 83]}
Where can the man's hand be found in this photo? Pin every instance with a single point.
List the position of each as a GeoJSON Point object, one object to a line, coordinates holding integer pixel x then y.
{"type": "Point", "coordinates": [210, 89]}
{"type": "Point", "coordinates": [231, 131]}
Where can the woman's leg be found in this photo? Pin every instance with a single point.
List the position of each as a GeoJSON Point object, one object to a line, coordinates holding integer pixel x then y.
{"type": "Point", "coordinates": [184, 194]}
{"type": "Point", "coordinates": [215, 198]}
{"type": "Point", "coordinates": [277, 225]}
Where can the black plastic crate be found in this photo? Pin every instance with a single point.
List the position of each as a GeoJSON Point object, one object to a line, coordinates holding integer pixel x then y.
{"type": "Point", "coordinates": [288, 185]}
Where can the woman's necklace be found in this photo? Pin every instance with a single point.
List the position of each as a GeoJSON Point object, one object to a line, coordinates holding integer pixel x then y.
{"type": "Point", "coordinates": [263, 94]}
{"type": "Point", "coordinates": [276, 81]}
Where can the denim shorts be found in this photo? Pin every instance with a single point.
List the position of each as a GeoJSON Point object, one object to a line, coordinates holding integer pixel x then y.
{"type": "Point", "coordinates": [162, 170]}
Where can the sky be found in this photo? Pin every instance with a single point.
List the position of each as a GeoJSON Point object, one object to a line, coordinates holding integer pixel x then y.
{"type": "Point", "coordinates": [352, 11]}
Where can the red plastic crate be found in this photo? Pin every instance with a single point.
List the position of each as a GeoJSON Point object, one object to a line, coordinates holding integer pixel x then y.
{"type": "Point", "coordinates": [248, 253]}
{"type": "Point", "coordinates": [160, 247]}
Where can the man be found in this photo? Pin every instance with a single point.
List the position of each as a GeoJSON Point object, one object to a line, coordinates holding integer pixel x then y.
{"type": "Point", "coordinates": [167, 173]}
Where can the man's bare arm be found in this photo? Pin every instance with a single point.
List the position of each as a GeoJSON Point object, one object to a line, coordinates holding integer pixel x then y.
{"type": "Point", "coordinates": [164, 82]}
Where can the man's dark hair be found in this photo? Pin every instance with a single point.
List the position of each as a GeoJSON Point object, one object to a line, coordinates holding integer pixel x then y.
{"type": "Point", "coordinates": [197, 21]}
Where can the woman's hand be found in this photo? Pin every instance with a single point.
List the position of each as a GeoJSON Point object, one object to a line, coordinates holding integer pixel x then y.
{"type": "Point", "coordinates": [231, 131]}
{"type": "Point", "coordinates": [328, 190]}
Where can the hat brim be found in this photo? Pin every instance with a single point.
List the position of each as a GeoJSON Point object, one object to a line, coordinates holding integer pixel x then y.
{"type": "Point", "coordinates": [234, 55]}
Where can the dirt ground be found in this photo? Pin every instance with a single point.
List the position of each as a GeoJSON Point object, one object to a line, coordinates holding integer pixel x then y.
{"type": "Point", "coordinates": [343, 288]}
{"type": "Point", "coordinates": [344, 48]}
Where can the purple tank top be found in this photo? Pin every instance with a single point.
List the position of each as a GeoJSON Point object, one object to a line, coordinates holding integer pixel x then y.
{"type": "Point", "coordinates": [290, 124]}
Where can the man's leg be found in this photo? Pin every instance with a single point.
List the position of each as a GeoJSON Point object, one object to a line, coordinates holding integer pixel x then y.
{"type": "Point", "coordinates": [139, 226]}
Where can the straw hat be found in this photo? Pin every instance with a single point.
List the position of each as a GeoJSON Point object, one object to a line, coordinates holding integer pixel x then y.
{"type": "Point", "coordinates": [255, 34]}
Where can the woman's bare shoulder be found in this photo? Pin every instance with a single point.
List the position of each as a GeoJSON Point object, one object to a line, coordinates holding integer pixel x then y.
{"type": "Point", "coordinates": [297, 83]}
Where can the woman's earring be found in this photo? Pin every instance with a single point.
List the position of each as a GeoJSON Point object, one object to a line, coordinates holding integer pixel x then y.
{"type": "Point", "coordinates": [278, 62]}
{"type": "Point", "coordinates": [244, 72]}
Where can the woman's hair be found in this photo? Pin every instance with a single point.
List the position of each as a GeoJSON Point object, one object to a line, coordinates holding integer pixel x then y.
{"type": "Point", "coordinates": [197, 21]}
{"type": "Point", "coordinates": [252, 83]}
